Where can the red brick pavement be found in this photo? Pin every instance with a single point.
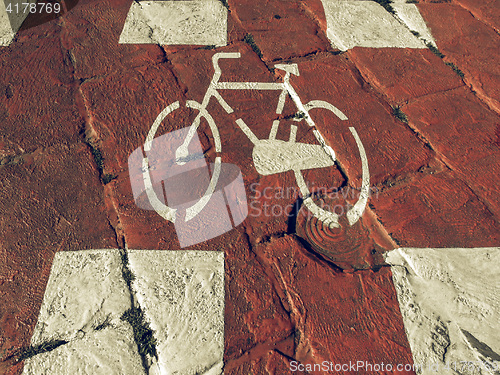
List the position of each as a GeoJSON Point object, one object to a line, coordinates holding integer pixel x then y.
{"type": "Point", "coordinates": [67, 86]}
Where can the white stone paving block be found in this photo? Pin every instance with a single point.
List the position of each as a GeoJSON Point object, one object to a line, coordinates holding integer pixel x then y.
{"type": "Point", "coordinates": [411, 17]}
{"type": "Point", "coordinates": [85, 289]}
{"type": "Point", "coordinates": [11, 21]}
{"type": "Point", "coordinates": [195, 22]}
{"type": "Point", "coordinates": [111, 351]}
{"type": "Point", "coordinates": [365, 24]}
{"type": "Point", "coordinates": [450, 303]}
{"type": "Point", "coordinates": [182, 295]}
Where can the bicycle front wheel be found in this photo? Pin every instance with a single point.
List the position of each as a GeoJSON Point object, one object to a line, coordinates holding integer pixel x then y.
{"type": "Point", "coordinates": [330, 218]}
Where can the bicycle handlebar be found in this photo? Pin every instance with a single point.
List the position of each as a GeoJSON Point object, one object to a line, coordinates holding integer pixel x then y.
{"type": "Point", "coordinates": [223, 55]}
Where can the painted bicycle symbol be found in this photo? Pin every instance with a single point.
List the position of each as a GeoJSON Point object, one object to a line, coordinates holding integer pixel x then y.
{"type": "Point", "coordinates": [270, 156]}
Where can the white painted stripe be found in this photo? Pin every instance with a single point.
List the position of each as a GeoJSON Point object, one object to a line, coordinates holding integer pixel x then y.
{"type": "Point", "coordinates": [293, 134]}
{"type": "Point", "coordinates": [222, 102]}
{"type": "Point", "coordinates": [161, 209]}
{"type": "Point", "coordinates": [180, 292]}
{"type": "Point", "coordinates": [182, 152]}
{"type": "Point", "coordinates": [248, 132]}
{"type": "Point", "coordinates": [365, 24]}
{"type": "Point", "coordinates": [411, 17]}
{"type": "Point", "coordinates": [298, 103]}
{"type": "Point", "coordinates": [450, 305]}
{"type": "Point", "coordinates": [154, 128]}
{"type": "Point", "coordinates": [274, 129]}
{"type": "Point", "coordinates": [195, 22]}
{"type": "Point", "coordinates": [195, 209]}
{"type": "Point", "coordinates": [357, 210]}
{"type": "Point", "coordinates": [10, 22]}
{"type": "Point", "coordinates": [281, 103]}
{"type": "Point", "coordinates": [249, 86]}
{"type": "Point", "coordinates": [85, 289]}
{"type": "Point", "coordinates": [322, 104]}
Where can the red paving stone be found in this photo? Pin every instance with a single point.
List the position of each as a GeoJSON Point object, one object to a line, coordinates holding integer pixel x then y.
{"type": "Point", "coordinates": [47, 199]}
{"type": "Point", "coordinates": [474, 51]}
{"type": "Point", "coordinates": [445, 120]}
{"type": "Point", "coordinates": [284, 20]}
{"type": "Point", "coordinates": [436, 210]}
{"type": "Point", "coordinates": [403, 75]}
{"type": "Point", "coordinates": [340, 316]}
{"type": "Point", "coordinates": [68, 84]}
{"type": "Point", "coordinates": [487, 11]}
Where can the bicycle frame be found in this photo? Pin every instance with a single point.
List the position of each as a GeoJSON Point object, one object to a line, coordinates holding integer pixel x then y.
{"type": "Point", "coordinates": [284, 87]}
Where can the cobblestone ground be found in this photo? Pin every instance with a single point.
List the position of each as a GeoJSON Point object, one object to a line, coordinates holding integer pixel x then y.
{"type": "Point", "coordinates": [75, 104]}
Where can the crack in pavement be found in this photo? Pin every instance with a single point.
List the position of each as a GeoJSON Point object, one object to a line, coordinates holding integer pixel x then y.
{"type": "Point", "coordinates": [462, 176]}
{"type": "Point", "coordinates": [441, 157]}
{"type": "Point", "coordinates": [258, 350]}
{"type": "Point", "coordinates": [477, 17]}
{"type": "Point", "coordinates": [143, 334]}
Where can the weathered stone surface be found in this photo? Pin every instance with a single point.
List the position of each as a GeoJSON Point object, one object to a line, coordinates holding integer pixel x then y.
{"type": "Point", "coordinates": [282, 20]}
{"type": "Point", "coordinates": [182, 295]}
{"type": "Point", "coordinates": [176, 22]}
{"type": "Point", "coordinates": [84, 300]}
{"type": "Point", "coordinates": [445, 120]}
{"type": "Point", "coordinates": [486, 11]}
{"type": "Point", "coordinates": [328, 307]}
{"type": "Point", "coordinates": [437, 210]}
{"type": "Point", "coordinates": [47, 198]}
{"type": "Point", "coordinates": [404, 75]}
{"type": "Point", "coordinates": [27, 122]}
{"type": "Point", "coordinates": [474, 52]}
{"type": "Point", "coordinates": [255, 320]}
{"type": "Point", "coordinates": [365, 24]}
{"type": "Point", "coordinates": [450, 306]}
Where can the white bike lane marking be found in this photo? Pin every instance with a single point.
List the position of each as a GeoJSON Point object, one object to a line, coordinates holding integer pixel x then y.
{"type": "Point", "coordinates": [450, 305]}
{"type": "Point", "coordinates": [11, 21]}
{"type": "Point", "coordinates": [270, 156]}
{"type": "Point", "coordinates": [180, 292]}
{"type": "Point", "coordinates": [273, 156]}
{"type": "Point", "coordinates": [367, 24]}
{"type": "Point", "coordinates": [85, 290]}
{"type": "Point", "coordinates": [176, 22]}
{"type": "Point", "coordinates": [174, 36]}
{"type": "Point", "coordinates": [204, 22]}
